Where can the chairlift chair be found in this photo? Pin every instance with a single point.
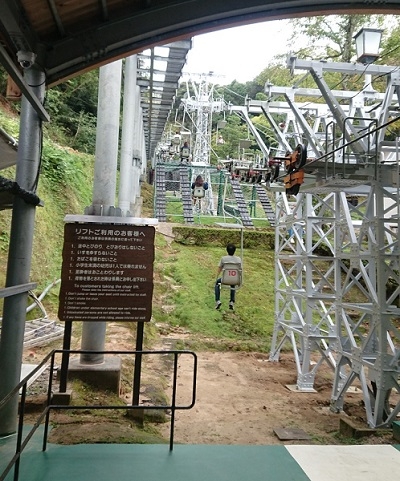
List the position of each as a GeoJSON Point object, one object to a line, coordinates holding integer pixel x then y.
{"type": "Point", "coordinates": [176, 139]}
{"type": "Point", "coordinates": [185, 152]}
{"type": "Point", "coordinates": [231, 275]}
{"type": "Point", "coordinates": [199, 192]}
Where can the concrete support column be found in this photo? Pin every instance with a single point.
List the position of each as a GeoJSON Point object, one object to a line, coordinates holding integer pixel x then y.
{"type": "Point", "coordinates": [104, 184]}
{"type": "Point", "coordinates": [138, 123]}
{"type": "Point", "coordinates": [128, 136]}
{"type": "Point", "coordinates": [20, 252]}
{"type": "Point", "coordinates": [143, 150]}
{"type": "Point", "coordinates": [106, 156]}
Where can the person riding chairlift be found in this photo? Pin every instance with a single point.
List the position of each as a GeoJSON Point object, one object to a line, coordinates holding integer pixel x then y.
{"type": "Point", "coordinates": [185, 152]}
{"type": "Point", "coordinates": [198, 188]}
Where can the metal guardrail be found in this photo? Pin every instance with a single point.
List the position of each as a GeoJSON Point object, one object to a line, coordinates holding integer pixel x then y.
{"type": "Point", "coordinates": [21, 389]}
{"type": "Point", "coordinates": [14, 290]}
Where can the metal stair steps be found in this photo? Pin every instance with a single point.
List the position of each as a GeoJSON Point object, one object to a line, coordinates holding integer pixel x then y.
{"type": "Point", "coordinates": [186, 194]}
{"type": "Point", "coordinates": [241, 203]}
{"type": "Point", "coordinates": [160, 204]}
{"type": "Point", "coordinates": [266, 205]}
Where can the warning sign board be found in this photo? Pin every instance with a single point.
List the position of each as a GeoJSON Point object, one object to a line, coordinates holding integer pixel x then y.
{"type": "Point", "coordinates": [107, 272]}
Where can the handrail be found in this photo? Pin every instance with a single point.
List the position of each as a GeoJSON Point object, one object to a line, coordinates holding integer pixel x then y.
{"type": "Point", "coordinates": [19, 289]}
{"type": "Point", "coordinates": [22, 443]}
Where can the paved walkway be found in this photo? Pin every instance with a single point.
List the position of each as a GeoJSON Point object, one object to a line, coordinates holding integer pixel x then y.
{"type": "Point", "coordinates": [109, 462]}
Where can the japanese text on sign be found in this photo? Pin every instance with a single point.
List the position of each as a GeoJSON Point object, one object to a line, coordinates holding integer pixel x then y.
{"type": "Point", "coordinates": [107, 272]}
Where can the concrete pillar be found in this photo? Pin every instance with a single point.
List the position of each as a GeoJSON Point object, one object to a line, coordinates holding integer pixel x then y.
{"type": "Point", "coordinates": [104, 184]}
{"type": "Point", "coordinates": [20, 252]}
{"type": "Point", "coordinates": [138, 125]}
{"type": "Point", "coordinates": [128, 135]}
{"type": "Point", "coordinates": [106, 157]}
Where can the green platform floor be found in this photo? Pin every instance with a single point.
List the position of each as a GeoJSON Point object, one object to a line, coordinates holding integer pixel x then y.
{"type": "Point", "coordinates": [154, 462]}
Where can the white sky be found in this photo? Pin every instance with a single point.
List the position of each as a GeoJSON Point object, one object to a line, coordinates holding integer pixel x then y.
{"type": "Point", "coordinates": [238, 53]}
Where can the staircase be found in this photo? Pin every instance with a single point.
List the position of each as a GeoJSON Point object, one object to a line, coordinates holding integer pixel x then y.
{"type": "Point", "coordinates": [160, 203]}
{"type": "Point", "coordinates": [266, 204]}
{"type": "Point", "coordinates": [241, 203]}
{"type": "Point", "coordinates": [186, 194]}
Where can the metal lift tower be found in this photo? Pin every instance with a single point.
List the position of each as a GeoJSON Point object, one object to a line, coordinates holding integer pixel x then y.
{"type": "Point", "coordinates": [337, 241]}
{"type": "Point", "coordinates": [199, 105]}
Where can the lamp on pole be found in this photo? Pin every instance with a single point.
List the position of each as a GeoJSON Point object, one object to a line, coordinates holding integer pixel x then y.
{"type": "Point", "coordinates": [367, 47]}
{"type": "Point", "coordinates": [367, 44]}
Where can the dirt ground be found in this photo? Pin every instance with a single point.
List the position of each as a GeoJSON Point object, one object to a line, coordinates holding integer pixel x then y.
{"type": "Point", "coordinates": [242, 398]}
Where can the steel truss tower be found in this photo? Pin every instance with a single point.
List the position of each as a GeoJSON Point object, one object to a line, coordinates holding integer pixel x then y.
{"type": "Point", "coordinates": [199, 105]}
{"type": "Point", "coordinates": [337, 257]}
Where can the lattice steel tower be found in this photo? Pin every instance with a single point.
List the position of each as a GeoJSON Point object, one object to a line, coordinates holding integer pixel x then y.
{"type": "Point", "coordinates": [337, 257]}
{"type": "Point", "coordinates": [199, 106]}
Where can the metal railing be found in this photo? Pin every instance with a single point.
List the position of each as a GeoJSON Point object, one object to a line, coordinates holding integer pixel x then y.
{"type": "Point", "coordinates": [21, 389]}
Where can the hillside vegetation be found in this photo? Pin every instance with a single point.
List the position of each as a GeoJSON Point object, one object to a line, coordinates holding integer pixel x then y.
{"type": "Point", "coordinates": [64, 187]}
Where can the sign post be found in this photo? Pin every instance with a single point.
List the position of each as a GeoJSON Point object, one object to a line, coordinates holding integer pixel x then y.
{"type": "Point", "coordinates": [107, 273]}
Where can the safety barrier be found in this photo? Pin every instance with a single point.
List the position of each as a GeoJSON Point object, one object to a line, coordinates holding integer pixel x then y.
{"type": "Point", "coordinates": [21, 389]}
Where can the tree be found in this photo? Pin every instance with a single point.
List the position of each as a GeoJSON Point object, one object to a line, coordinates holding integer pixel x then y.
{"type": "Point", "coordinates": [390, 48]}
{"type": "Point", "coordinates": [72, 106]}
{"type": "Point", "coordinates": [330, 37]}
{"type": "Point", "coordinates": [276, 74]}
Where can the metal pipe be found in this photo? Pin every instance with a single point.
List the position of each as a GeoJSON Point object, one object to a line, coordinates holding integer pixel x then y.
{"type": "Point", "coordinates": [20, 250]}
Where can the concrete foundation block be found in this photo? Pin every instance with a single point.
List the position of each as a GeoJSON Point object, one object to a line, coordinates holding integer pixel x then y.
{"type": "Point", "coordinates": [61, 398]}
{"type": "Point", "coordinates": [105, 376]}
{"type": "Point", "coordinates": [349, 430]}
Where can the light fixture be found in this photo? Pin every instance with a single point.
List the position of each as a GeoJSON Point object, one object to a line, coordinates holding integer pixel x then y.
{"type": "Point", "coordinates": [367, 44]}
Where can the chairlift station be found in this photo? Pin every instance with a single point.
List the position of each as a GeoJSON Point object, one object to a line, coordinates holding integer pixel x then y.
{"type": "Point", "coordinates": [337, 280]}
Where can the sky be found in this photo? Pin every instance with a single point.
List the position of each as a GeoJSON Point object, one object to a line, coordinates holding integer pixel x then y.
{"type": "Point", "coordinates": [238, 53]}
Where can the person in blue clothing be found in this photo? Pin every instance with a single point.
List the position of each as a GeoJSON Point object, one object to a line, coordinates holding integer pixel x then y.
{"type": "Point", "coordinates": [229, 259]}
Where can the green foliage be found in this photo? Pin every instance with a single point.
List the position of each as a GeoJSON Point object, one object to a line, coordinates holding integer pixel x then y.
{"type": "Point", "coordinates": [276, 74]}
{"type": "Point", "coordinates": [55, 165]}
{"type": "Point", "coordinates": [63, 166]}
{"type": "Point", "coordinates": [4, 241]}
{"type": "Point", "coordinates": [3, 79]}
{"type": "Point", "coordinates": [232, 133]}
{"type": "Point", "coordinates": [209, 236]}
{"type": "Point", "coordinates": [65, 186]}
{"type": "Point", "coordinates": [9, 122]}
{"type": "Point", "coordinates": [330, 37]}
{"type": "Point", "coordinates": [390, 48]}
{"type": "Point", "coordinates": [73, 108]}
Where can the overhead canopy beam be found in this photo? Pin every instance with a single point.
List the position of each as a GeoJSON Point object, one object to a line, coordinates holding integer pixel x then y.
{"type": "Point", "coordinates": [72, 37]}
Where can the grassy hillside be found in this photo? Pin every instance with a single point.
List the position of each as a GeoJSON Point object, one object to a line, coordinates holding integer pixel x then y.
{"type": "Point", "coordinates": [184, 296]}
{"type": "Point", "coordinates": [65, 187]}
